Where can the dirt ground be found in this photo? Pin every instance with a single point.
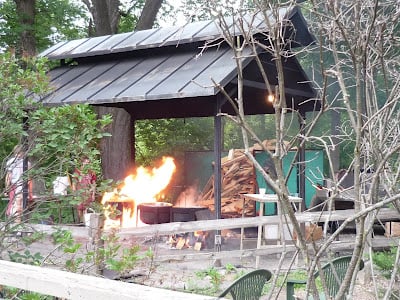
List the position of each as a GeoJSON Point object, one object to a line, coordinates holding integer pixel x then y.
{"type": "Point", "coordinates": [180, 274]}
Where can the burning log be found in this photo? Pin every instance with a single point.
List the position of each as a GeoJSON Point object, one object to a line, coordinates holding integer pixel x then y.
{"type": "Point", "coordinates": [140, 192]}
{"type": "Point", "coordinates": [195, 240]}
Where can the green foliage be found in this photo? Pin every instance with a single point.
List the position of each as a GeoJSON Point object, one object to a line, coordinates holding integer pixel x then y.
{"type": "Point", "coordinates": [262, 125]}
{"type": "Point", "coordinates": [127, 261]}
{"type": "Point", "coordinates": [26, 257]}
{"type": "Point", "coordinates": [384, 260]}
{"type": "Point", "coordinates": [112, 256]}
{"type": "Point", "coordinates": [64, 240]}
{"type": "Point", "coordinates": [67, 142]}
{"type": "Point", "coordinates": [34, 296]}
{"type": "Point", "coordinates": [29, 258]}
{"type": "Point", "coordinates": [130, 14]}
{"type": "Point", "coordinates": [55, 211]}
{"type": "Point", "coordinates": [34, 237]}
{"type": "Point", "coordinates": [230, 268]}
{"type": "Point", "coordinates": [64, 237]}
{"type": "Point", "coordinates": [121, 260]}
{"type": "Point", "coordinates": [155, 138]}
{"type": "Point", "coordinates": [214, 276]}
{"type": "Point", "coordinates": [55, 20]}
{"type": "Point", "coordinates": [14, 293]}
{"type": "Point", "coordinates": [18, 77]}
{"type": "Point", "coordinates": [196, 10]}
{"type": "Point", "coordinates": [57, 137]}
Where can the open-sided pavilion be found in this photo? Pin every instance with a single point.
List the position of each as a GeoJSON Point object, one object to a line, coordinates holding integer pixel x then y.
{"type": "Point", "coordinates": [171, 73]}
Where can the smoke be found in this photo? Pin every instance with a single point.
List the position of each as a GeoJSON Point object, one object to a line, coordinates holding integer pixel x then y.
{"type": "Point", "coordinates": [188, 197]}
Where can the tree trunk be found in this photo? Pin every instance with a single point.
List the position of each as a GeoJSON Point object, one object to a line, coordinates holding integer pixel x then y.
{"type": "Point", "coordinates": [117, 151]}
{"type": "Point", "coordinates": [101, 18]}
{"type": "Point", "coordinates": [26, 13]}
{"type": "Point", "coordinates": [149, 14]}
{"type": "Point", "coordinates": [105, 15]}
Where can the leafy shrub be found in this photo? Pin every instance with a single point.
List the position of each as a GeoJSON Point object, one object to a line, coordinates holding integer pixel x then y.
{"type": "Point", "coordinates": [384, 260]}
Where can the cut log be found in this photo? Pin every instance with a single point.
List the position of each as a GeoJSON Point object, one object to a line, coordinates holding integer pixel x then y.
{"type": "Point", "coordinates": [238, 177]}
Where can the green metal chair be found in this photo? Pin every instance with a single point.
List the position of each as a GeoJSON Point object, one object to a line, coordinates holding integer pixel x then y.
{"type": "Point", "coordinates": [249, 286]}
{"type": "Point", "coordinates": [334, 273]}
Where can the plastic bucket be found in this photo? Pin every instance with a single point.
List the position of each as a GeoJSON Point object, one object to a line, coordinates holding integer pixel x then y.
{"type": "Point", "coordinates": [86, 216]}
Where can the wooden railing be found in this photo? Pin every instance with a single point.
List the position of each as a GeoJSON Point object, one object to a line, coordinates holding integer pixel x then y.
{"type": "Point", "coordinates": [68, 285]}
{"type": "Point", "coordinates": [384, 214]}
{"type": "Point", "coordinates": [77, 286]}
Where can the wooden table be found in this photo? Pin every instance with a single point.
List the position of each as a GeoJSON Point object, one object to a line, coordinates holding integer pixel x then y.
{"type": "Point", "coordinates": [266, 198]}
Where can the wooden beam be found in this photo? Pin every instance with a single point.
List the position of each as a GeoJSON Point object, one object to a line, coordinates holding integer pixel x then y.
{"type": "Point", "coordinates": [262, 86]}
{"type": "Point", "coordinates": [384, 214]}
{"type": "Point", "coordinates": [341, 245]}
{"type": "Point", "coordinates": [77, 286]}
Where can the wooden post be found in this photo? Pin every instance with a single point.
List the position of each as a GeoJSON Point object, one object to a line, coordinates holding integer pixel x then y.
{"type": "Point", "coordinates": [96, 226]}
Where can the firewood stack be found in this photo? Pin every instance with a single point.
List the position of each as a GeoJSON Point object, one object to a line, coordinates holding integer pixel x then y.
{"type": "Point", "coordinates": [238, 177]}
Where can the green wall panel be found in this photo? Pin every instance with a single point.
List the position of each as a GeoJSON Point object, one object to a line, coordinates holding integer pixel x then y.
{"type": "Point", "coordinates": [313, 169]}
{"type": "Point", "coordinates": [198, 169]}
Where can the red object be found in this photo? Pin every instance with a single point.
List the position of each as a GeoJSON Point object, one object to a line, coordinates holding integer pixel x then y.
{"type": "Point", "coordinates": [11, 196]}
{"type": "Point", "coordinates": [85, 182]}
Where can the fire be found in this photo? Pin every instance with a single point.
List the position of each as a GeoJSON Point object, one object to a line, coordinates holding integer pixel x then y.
{"type": "Point", "coordinates": [144, 186]}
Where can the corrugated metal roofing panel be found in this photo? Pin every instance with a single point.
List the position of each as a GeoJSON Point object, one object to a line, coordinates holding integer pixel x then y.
{"type": "Point", "coordinates": [64, 80]}
{"type": "Point", "coordinates": [89, 81]}
{"type": "Point", "coordinates": [190, 72]}
{"type": "Point", "coordinates": [158, 37]}
{"type": "Point", "coordinates": [188, 32]}
{"type": "Point", "coordinates": [157, 75]}
{"type": "Point", "coordinates": [113, 40]}
{"type": "Point", "coordinates": [120, 84]}
{"type": "Point", "coordinates": [65, 49]}
{"type": "Point", "coordinates": [85, 74]}
{"type": "Point", "coordinates": [104, 81]}
{"type": "Point", "coordinates": [89, 45]}
{"type": "Point", "coordinates": [208, 32]}
{"type": "Point", "coordinates": [221, 69]}
{"type": "Point", "coordinates": [163, 76]}
{"type": "Point", "coordinates": [133, 40]}
{"type": "Point", "coordinates": [192, 32]}
{"type": "Point", "coordinates": [55, 73]}
{"type": "Point", "coordinates": [52, 49]}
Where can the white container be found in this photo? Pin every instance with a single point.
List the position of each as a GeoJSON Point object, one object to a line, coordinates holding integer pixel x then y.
{"type": "Point", "coordinates": [87, 215]}
{"type": "Point", "coordinates": [271, 232]}
{"type": "Point", "coordinates": [60, 185]}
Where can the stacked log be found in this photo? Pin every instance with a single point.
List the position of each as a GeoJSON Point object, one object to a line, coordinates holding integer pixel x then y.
{"type": "Point", "coordinates": [238, 177]}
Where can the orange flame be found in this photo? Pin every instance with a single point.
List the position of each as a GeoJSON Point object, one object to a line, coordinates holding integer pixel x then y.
{"type": "Point", "coordinates": [142, 187]}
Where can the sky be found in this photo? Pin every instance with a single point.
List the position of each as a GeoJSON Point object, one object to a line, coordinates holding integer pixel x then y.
{"type": "Point", "coordinates": [179, 19]}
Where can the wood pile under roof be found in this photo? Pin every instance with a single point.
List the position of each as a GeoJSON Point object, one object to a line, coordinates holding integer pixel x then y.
{"type": "Point", "coordinates": [238, 177]}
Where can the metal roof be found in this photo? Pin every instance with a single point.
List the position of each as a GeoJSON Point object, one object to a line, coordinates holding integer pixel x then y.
{"type": "Point", "coordinates": [162, 76]}
{"type": "Point", "coordinates": [170, 36]}
{"type": "Point", "coordinates": [141, 73]}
